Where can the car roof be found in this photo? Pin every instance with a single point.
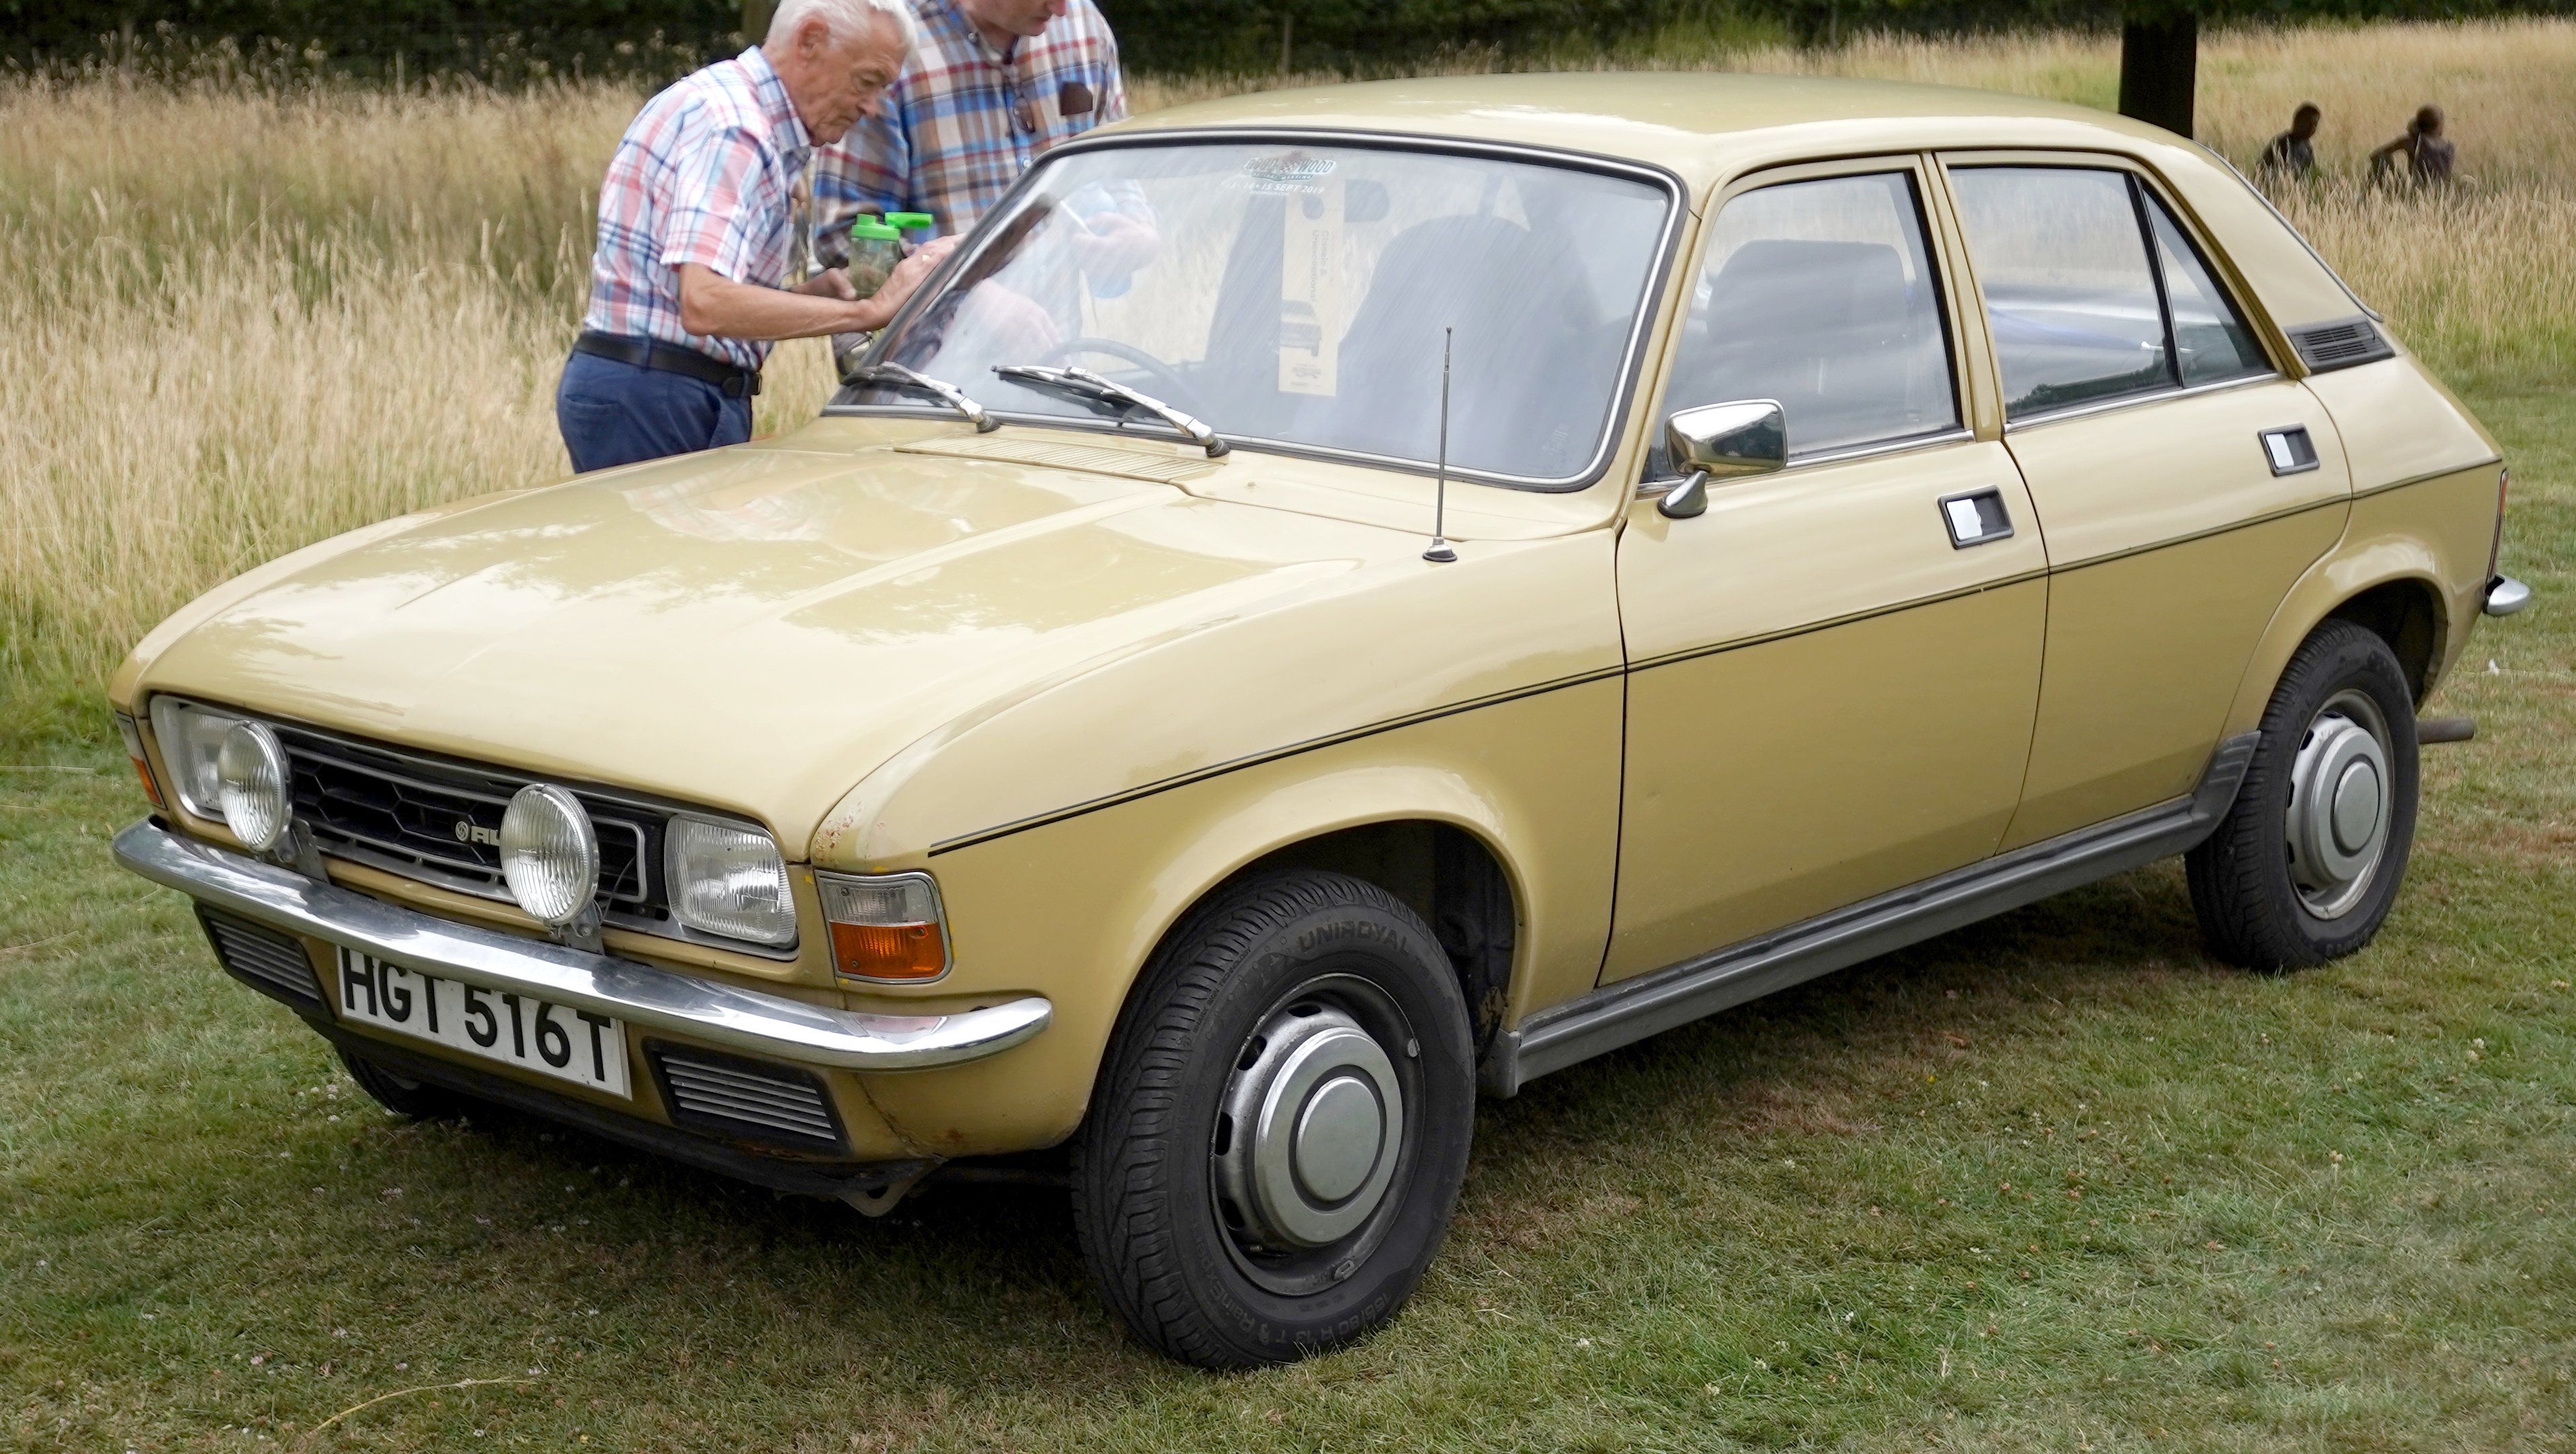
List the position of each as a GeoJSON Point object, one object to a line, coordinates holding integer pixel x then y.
{"type": "Point", "coordinates": [1711, 128]}
{"type": "Point", "coordinates": [1701, 125]}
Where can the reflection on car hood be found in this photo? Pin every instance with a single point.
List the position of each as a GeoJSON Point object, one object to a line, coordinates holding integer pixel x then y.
{"type": "Point", "coordinates": [752, 630]}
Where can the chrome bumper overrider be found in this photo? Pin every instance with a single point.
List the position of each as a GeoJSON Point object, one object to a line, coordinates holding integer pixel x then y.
{"type": "Point", "coordinates": [2505, 596]}
{"type": "Point", "coordinates": [719, 1014]}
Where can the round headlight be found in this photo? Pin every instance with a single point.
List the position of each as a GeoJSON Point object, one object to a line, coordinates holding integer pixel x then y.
{"type": "Point", "coordinates": [549, 853]}
{"type": "Point", "coordinates": [250, 785]}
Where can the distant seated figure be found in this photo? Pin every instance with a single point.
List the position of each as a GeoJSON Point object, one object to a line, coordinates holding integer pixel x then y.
{"type": "Point", "coordinates": [2429, 155]}
{"type": "Point", "coordinates": [2292, 156]}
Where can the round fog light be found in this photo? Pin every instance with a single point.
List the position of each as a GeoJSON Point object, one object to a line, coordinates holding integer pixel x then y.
{"type": "Point", "coordinates": [250, 786]}
{"type": "Point", "coordinates": [549, 853]}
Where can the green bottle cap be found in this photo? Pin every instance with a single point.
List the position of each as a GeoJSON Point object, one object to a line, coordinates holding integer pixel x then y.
{"type": "Point", "coordinates": [869, 227]}
{"type": "Point", "coordinates": [910, 221]}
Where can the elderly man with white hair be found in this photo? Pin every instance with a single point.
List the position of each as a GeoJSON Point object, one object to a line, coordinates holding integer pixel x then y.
{"type": "Point", "coordinates": [687, 287]}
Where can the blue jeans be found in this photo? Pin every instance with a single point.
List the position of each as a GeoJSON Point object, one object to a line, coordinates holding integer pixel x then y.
{"type": "Point", "coordinates": [615, 413]}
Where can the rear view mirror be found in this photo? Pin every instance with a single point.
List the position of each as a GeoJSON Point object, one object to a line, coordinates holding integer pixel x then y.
{"type": "Point", "coordinates": [1364, 201]}
{"type": "Point", "coordinates": [1745, 437]}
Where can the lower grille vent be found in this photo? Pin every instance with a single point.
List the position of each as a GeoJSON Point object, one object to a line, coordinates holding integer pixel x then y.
{"type": "Point", "coordinates": [745, 1097]}
{"type": "Point", "coordinates": [2326, 346]}
{"type": "Point", "coordinates": [262, 958]}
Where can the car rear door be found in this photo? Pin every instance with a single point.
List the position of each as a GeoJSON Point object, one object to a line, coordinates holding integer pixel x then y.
{"type": "Point", "coordinates": [2182, 483]}
{"type": "Point", "coordinates": [1833, 670]}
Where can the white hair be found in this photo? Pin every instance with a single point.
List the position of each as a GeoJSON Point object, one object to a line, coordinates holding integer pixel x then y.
{"type": "Point", "coordinates": [844, 19]}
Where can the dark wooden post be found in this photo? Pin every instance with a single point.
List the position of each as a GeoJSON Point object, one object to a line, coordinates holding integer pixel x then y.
{"type": "Point", "coordinates": [2159, 61]}
{"type": "Point", "coordinates": [755, 21]}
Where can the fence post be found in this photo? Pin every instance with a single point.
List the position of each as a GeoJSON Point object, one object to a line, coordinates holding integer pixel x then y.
{"type": "Point", "coordinates": [755, 20]}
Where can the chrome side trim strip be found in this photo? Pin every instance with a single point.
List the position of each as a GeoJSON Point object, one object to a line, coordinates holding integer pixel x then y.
{"type": "Point", "coordinates": [2139, 400]}
{"type": "Point", "coordinates": [1271, 754]}
{"type": "Point", "coordinates": [1632, 1009]}
{"type": "Point", "coordinates": [2427, 477]}
{"type": "Point", "coordinates": [717, 1013]}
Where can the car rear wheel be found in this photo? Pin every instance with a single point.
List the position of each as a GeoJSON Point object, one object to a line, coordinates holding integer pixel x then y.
{"type": "Point", "coordinates": [401, 1094]}
{"type": "Point", "coordinates": [2305, 866]}
{"type": "Point", "coordinates": [1281, 1126]}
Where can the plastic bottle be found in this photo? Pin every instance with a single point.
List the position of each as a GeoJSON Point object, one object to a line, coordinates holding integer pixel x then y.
{"type": "Point", "coordinates": [876, 245]}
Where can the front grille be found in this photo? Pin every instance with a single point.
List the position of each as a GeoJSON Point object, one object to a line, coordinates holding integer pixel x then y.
{"type": "Point", "coordinates": [262, 958]}
{"type": "Point", "coordinates": [739, 1097]}
{"type": "Point", "coordinates": [442, 822]}
{"type": "Point", "coordinates": [2325, 346]}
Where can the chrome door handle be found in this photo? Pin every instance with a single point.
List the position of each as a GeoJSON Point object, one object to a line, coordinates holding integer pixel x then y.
{"type": "Point", "coordinates": [2289, 451]}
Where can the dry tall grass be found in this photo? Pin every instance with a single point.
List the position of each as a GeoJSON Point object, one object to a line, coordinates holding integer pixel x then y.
{"type": "Point", "coordinates": [242, 320]}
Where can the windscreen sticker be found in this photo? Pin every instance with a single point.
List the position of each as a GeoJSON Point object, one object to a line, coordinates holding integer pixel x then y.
{"type": "Point", "coordinates": [1310, 289]}
{"type": "Point", "coordinates": [1289, 172]}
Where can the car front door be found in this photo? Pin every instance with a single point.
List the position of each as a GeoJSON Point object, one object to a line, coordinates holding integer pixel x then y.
{"type": "Point", "coordinates": [2182, 483]}
{"type": "Point", "coordinates": [1833, 670]}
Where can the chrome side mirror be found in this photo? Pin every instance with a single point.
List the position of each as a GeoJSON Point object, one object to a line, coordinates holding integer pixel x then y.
{"type": "Point", "coordinates": [1745, 437]}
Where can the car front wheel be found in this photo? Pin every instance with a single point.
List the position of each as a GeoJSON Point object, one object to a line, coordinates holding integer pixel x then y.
{"type": "Point", "coordinates": [2305, 866]}
{"type": "Point", "coordinates": [1281, 1126]}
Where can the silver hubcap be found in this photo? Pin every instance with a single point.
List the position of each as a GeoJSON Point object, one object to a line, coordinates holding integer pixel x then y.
{"type": "Point", "coordinates": [1312, 1120]}
{"type": "Point", "coordinates": [2342, 793]}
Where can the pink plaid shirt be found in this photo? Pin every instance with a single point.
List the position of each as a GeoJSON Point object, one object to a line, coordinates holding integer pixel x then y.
{"type": "Point", "coordinates": [706, 174]}
{"type": "Point", "coordinates": [963, 121]}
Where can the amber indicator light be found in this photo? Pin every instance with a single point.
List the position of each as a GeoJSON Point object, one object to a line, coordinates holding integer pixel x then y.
{"type": "Point", "coordinates": [889, 928]}
{"type": "Point", "coordinates": [134, 752]}
{"type": "Point", "coordinates": [889, 951]}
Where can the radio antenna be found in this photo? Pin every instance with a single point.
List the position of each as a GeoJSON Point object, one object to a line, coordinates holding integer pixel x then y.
{"type": "Point", "coordinates": [1440, 551]}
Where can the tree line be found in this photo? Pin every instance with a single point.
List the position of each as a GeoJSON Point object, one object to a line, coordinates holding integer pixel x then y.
{"type": "Point", "coordinates": [504, 40]}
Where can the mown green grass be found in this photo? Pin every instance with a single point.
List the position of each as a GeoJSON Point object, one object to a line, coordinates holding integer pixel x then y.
{"type": "Point", "coordinates": [2057, 1182]}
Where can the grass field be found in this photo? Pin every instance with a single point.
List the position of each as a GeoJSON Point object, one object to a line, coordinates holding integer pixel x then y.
{"type": "Point", "coordinates": [2058, 1182]}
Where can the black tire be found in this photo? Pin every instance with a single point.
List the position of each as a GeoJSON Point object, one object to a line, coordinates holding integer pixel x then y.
{"type": "Point", "coordinates": [401, 1094]}
{"type": "Point", "coordinates": [1175, 1251]}
{"type": "Point", "coordinates": [2246, 883]}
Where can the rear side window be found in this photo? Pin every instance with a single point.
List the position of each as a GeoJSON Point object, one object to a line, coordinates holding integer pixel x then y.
{"type": "Point", "coordinates": [2211, 337]}
{"type": "Point", "coordinates": [1820, 295]}
{"type": "Point", "coordinates": [2083, 310]}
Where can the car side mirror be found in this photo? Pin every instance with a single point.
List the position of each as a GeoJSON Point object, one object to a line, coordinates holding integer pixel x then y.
{"type": "Point", "coordinates": [1745, 437]}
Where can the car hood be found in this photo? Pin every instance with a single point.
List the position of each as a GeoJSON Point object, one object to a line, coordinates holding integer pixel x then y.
{"type": "Point", "coordinates": [752, 630]}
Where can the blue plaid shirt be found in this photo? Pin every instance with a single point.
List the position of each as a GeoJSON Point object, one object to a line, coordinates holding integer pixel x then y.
{"type": "Point", "coordinates": [964, 121]}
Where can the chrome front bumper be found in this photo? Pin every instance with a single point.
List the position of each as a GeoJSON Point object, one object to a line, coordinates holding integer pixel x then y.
{"type": "Point", "coordinates": [657, 999]}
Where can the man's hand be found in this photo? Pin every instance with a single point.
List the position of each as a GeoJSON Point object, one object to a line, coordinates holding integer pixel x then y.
{"type": "Point", "coordinates": [829, 283]}
{"type": "Point", "coordinates": [715, 306]}
{"type": "Point", "coordinates": [907, 276]}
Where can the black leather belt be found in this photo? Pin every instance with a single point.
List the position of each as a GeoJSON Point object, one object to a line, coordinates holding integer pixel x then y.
{"type": "Point", "coordinates": [670, 358]}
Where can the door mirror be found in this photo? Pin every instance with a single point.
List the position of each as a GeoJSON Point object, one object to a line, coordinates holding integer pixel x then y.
{"type": "Point", "coordinates": [1745, 437]}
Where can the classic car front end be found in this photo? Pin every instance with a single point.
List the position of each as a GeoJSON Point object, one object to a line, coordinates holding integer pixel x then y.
{"type": "Point", "coordinates": [1875, 507]}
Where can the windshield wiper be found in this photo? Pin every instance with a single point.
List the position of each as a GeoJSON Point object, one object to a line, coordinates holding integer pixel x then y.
{"type": "Point", "coordinates": [893, 375]}
{"type": "Point", "coordinates": [1090, 385]}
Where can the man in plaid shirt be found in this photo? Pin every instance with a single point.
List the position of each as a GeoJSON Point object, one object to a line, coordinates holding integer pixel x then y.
{"type": "Point", "coordinates": [994, 86]}
{"type": "Point", "coordinates": [688, 279]}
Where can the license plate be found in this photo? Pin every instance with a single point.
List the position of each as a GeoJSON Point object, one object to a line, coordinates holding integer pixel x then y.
{"type": "Point", "coordinates": [580, 1046]}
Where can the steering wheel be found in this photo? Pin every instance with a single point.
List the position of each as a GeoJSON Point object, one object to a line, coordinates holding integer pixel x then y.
{"type": "Point", "coordinates": [1174, 390]}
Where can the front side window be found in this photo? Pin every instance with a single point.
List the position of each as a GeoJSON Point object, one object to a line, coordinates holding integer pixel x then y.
{"type": "Point", "coordinates": [2082, 310]}
{"type": "Point", "coordinates": [1297, 294]}
{"type": "Point", "coordinates": [1820, 295]}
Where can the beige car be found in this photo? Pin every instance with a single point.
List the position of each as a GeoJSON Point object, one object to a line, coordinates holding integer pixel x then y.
{"type": "Point", "coordinates": [1861, 509]}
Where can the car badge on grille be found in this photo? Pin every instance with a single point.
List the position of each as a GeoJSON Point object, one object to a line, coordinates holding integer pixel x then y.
{"type": "Point", "coordinates": [469, 831]}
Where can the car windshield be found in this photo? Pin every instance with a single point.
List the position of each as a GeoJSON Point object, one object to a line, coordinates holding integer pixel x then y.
{"type": "Point", "coordinates": [1296, 295]}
